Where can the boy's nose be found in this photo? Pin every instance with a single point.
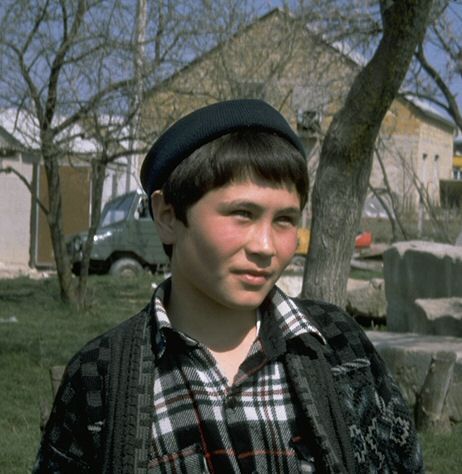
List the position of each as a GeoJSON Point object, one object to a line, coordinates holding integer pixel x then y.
{"type": "Point", "coordinates": [261, 241]}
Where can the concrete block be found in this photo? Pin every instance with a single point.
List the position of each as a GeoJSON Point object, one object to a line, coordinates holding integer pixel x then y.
{"type": "Point", "coordinates": [417, 270]}
{"type": "Point", "coordinates": [408, 356]}
{"type": "Point", "coordinates": [440, 316]}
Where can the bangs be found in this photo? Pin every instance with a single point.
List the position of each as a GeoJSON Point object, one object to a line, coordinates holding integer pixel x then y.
{"type": "Point", "coordinates": [257, 156]}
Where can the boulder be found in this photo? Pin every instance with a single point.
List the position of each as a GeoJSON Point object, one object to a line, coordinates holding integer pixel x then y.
{"type": "Point", "coordinates": [428, 370]}
{"type": "Point", "coordinates": [366, 298]}
{"type": "Point", "coordinates": [419, 270]}
{"type": "Point", "coordinates": [442, 316]}
{"type": "Point", "coordinates": [291, 282]}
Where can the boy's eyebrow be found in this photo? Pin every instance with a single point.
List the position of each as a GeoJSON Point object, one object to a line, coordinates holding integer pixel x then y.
{"type": "Point", "coordinates": [252, 205]}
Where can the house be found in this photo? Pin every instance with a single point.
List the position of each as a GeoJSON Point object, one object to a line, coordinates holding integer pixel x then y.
{"type": "Point", "coordinates": [25, 238]}
{"type": "Point", "coordinates": [413, 153]}
{"type": "Point", "coordinates": [278, 59]}
{"type": "Point", "coordinates": [15, 200]}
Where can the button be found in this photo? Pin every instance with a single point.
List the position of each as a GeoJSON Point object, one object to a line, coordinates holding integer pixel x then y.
{"type": "Point", "coordinates": [231, 403]}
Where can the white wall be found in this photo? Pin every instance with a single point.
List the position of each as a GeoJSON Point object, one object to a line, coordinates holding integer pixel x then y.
{"type": "Point", "coordinates": [15, 210]}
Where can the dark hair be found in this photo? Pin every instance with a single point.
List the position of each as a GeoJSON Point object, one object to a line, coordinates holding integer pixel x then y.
{"type": "Point", "coordinates": [235, 157]}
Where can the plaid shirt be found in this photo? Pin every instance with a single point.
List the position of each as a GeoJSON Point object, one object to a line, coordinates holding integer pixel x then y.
{"type": "Point", "coordinates": [204, 424]}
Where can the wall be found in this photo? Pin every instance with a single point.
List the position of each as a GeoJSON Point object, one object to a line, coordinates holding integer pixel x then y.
{"type": "Point", "coordinates": [15, 209]}
{"type": "Point", "coordinates": [436, 144]}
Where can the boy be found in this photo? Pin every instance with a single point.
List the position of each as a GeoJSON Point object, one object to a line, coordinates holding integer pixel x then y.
{"type": "Point", "coordinates": [222, 372]}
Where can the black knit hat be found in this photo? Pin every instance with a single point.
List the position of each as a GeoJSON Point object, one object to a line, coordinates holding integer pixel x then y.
{"type": "Point", "coordinates": [205, 125]}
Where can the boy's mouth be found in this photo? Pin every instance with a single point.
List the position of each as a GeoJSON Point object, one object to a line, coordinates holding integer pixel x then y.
{"type": "Point", "coordinates": [254, 277]}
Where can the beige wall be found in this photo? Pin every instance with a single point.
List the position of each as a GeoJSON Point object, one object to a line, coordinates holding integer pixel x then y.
{"type": "Point", "coordinates": [75, 189]}
{"type": "Point", "coordinates": [416, 150]}
{"type": "Point", "coordinates": [435, 145]}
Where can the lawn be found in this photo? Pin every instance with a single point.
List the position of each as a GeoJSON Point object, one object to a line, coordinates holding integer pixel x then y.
{"type": "Point", "coordinates": [37, 332]}
{"type": "Point", "coordinates": [47, 333]}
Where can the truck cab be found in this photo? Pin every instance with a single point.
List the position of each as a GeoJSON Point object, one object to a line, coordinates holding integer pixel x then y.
{"type": "Point", "coordinates": [126, 241]}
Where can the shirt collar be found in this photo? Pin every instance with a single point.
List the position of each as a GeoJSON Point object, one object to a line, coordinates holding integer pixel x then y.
{"type": "Point", "coordinates": [292, 321]}
{"type": "Point", "coordinates": [162, 326]}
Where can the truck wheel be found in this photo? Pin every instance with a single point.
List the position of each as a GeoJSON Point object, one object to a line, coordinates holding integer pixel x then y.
{"type": "Point", "coordinates": [125, 267]}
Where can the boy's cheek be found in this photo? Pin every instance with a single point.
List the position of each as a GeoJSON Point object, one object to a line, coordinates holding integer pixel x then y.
{"type": "Point", "coordinates": [292, 243]}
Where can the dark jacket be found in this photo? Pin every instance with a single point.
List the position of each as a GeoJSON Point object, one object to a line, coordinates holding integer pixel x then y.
{"type": "Point", "coordinates": [356, 418]}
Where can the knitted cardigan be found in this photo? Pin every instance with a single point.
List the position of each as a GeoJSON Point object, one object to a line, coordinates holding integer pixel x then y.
{"type": "Point", "coordinates": [355, 417]}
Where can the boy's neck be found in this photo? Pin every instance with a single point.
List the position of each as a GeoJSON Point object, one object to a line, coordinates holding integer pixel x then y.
{"type": "Point", "coordinates": [219, 328]}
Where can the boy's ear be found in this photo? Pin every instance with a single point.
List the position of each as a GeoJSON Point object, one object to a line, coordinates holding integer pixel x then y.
{"type": "Point", "coordinates": [164, 217]}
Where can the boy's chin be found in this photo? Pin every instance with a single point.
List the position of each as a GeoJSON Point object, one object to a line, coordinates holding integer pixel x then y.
{"type": "Point", "coordinates": [250, 301]}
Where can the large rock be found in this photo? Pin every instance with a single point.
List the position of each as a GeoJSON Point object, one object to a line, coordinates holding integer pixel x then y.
{"type": "Point", "coordinates": [291, 281]}
{"type": "Point", "coordinates": [411, 359]}
{"type": "Point", "coordinates": [442, 316]}
{"type": "Point", "coordinates": [366, 298]}
{"type": "Point", "coordinates": [417, 270]}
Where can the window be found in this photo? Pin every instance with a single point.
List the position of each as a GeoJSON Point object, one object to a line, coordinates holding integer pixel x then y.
{"type": "Point", "coordinates": [436, 169]}
{"type": "Point", "coordinates": [309, 122]}
{"type": "Point", "coordinates": [116, 210]}
{"type": "Point", "coordinates": [424, 168]}
{"type": "Point", "coordinates": [143, 208]}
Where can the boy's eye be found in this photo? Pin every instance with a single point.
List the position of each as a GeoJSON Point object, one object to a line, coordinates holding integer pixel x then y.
{"type": "Point", "coordinates": [242, 213]}
{"type": "Point", "coordinates": [288, 220]}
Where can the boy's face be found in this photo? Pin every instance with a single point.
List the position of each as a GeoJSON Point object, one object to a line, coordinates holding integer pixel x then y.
{"type": "Point", "coordinates": [239, 239]}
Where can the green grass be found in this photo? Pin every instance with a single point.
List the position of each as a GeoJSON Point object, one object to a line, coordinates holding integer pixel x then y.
{"type": "Point", "coordinates": [358, 274]}
{"type": "Point", "coordinates": [48, 333]}
{"type": "Point", "coordinates": [443, 453]}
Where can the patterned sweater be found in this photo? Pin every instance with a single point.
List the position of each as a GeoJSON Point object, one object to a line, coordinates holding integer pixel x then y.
{"type": "Point", "coordinates": [355, 417]}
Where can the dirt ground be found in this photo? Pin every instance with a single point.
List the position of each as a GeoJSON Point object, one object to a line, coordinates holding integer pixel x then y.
{"type": "Point", "coordinates": [13, 271]}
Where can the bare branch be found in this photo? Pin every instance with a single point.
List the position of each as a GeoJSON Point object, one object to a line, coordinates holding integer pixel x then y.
{"type": "Point", "coordinates": [26, 183]}
{"type": "Point", "coordinates": [58, 61]}
{"type": "Point", "coordinates": [452, 106]}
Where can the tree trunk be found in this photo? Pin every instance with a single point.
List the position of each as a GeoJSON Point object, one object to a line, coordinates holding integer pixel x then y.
{"type": "Point", "coordinates": [55, 224]}
{"type": "Point", "coordinates": [346, 157]}
{"type": "Point", "coordinates": [431, 413]}
{"type": "Point", "coordinates": [98, 176]}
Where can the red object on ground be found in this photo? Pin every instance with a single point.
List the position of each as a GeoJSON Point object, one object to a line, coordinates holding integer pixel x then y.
{"type": "Point", "coordinates": [363, 240]}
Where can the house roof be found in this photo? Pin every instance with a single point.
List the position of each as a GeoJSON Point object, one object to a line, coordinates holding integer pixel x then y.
{"type": "Point", "coordinates": [428, 109]}
{"type": "Point", "coordinates": [23, 127]}
{"type": "Point", "coordinates": [214, 48]}
{"type": "Point", "coordinates": [8, 142]}
{"type": "Point", "coordinates": [350, 57]}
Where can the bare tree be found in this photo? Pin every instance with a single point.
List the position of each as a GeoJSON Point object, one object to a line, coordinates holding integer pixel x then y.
{"type": "Point", "coordinates": [346, 158]}
{"type": "Point", "coordinates": [70, 62]}
{"type": "Point", "coordinates": [111, 133]}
